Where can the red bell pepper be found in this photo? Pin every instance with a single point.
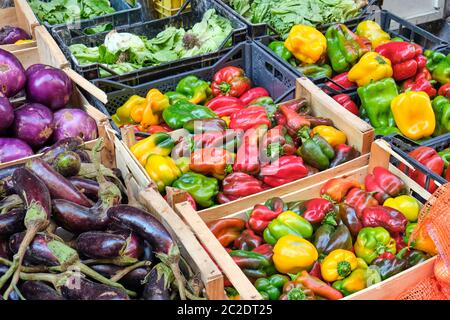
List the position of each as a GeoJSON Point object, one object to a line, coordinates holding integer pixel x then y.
{"type": "Point", "coordinates": [218, 139]}
{"type": "Point", "coordinates": [319, 210]}
{"type": "Point", "coordinates": [253, 94]}
{"type": "Point", "coordinates": [294, 121]}
{"type": "Point", "coordinates": [250, 117]}
{"type": "Point", "coordinates": [346, 101]}
{"type": "Point", "coordinates": [389, 218]}
{"type": "Point", "coordinates": [343, 153]}
{"type": "Point", "coordinates": [225, 106]}
{"type": "Point", "coordinates": [247, 157]}
{"type": "Point", "coordinates": [247, 241]}
{"type": "Point", "coordinates": [227, 230]}
{"type": "Point", "coordinates": [212, 161]}
{"type": "Point", "coordinates": [360, 200]}
{"type": "Point", "coordinates": [406, 58]}
{"type": "Point", "coordinates": [275, 143]}
{"type": "Point", "coordinates": [283, 170]}
{"type": "Point", "coordinates": [316, 270]}
{"type": "Point", "coordinates": [430, 159]}
{"type": "Point", "coordinates": [266, 250]}
{"type": "Point", "coordinates": [239, 184]}
{"type": "Point", "coordinates": [337, 188]}
{"type": "Point", "coordinates": [421, 82]}
{"type": "Point", "coordinates": [384, 184]}
{"type": "Point", "coordinates": [230, 81]}
{"type": "Point", "coordinates": [261, 216]}
{"type": "Point", "coordinates": [445, 90]}
{"type": "Point", "coordinates": [399, 241]}
{"type": "Point", "coordinates": [340, 82]}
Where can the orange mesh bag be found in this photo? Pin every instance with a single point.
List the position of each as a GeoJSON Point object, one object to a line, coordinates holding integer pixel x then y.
{"type": "Point", "coordinates": [434, 220]}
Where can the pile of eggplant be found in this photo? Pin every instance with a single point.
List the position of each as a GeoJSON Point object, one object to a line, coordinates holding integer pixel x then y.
{"type": "Point", "coordinates": [71, 228]}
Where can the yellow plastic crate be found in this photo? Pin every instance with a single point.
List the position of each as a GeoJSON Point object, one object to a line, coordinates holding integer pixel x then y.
{"type": "Point", "coordinates": [167, 8]}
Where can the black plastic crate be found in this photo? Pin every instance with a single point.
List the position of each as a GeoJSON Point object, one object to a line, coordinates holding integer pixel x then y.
{"type": "Point", "coordinates": [403, 146]}
{"type": "Point", "coordinates": [72, 34]}
{"type": "Point", "coordinates": [392, 24]}
{"type": "Point", "coordinates": [256, 30]}
{"type": "Point", "coordinates": [258, 65]}
{"type": "Point", "coordinates": [125, 14]}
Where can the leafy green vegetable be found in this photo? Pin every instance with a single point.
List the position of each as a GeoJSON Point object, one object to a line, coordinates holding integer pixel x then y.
{"type": "Point", "coordinates": [67, 11]}
{"type": "Point", "coordinates": [98, 29]}
{"type": "Point", "coordinates": [281, 15]}
{"type": "Point", "coordinates": [125, 52]}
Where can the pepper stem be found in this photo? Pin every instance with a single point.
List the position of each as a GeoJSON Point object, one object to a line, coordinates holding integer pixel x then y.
{"type": "Point", "coordinates": [224, 87]}
{"type": "Point", "coordinates": [344, 268]}
{"type": "Point", "coordinates": [296, 294]}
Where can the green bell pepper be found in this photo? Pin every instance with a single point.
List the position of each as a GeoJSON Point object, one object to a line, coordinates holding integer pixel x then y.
{"type": "Point", "coordinates": [253, 264]}
{"type": "Point", "coordinates": [442, 72]}
{"type": "Point", "coordinates": [433, 59]}
{"type": "Point", "coordinates": [203, 189]}
{"type": "Point", "coordinates": [183, 111]}
{"type": "Point", "coordinates": [316, 151]}
{"type": "Point", "coordinates": [376, 98]}
{"type": "Point", "coordinates": [344, 47]}
{"type": "Point", "coordinates": [280, 50]}
{"type": "Point", "coordinates": [371, 242]}
{"type": "Point", "coordinates": [287, 223]}
{"type": "Point", "coordinates": [441, 108]}
{"type": "Point", "coordinates": [386, 131]}
{"type": "Point", "coordinates": [316, 70]}
{"type": "Point", "coordinates": [271, 288]}
{"type": "Point", "coordinates": [174, 97]}
{"type": "Point", "coordinates": [445, 155]}
{"type": "Point", "coordinates": [193, 89]}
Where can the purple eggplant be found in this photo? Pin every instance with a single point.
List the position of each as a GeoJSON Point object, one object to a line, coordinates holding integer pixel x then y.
{"type": "Point", "coordinates": [89, 187]}
{"type": "Point", "coordinates": [84, 156]}
{"type": "Point", "coordinates": [79, 288]}
{"type": "Point", "coordinates": [147, 254]}
{"type": "Point", "coordinates": [5, 253]}
{"type": "Point", "coordinates": [3, 268]}
{"type": "Point", "coordinates": [11, 34]}
{"type": "Point", "coordinates": [64, 145]}
{"type": "Point", "coordinates": [12, 222]}
{"type": "Point", "coordinates": [79, 219]}
{"type": "Point", "coordinates": [36, 196]}
{"type": "Point", "coordinates": [67, 164]}
{"type": "Point", "coordinates": [8, 171]}
{"type": "Point", "coordinates": [144, 224]}
{"type": "Point", "coordinates": [6, 113]}
{"type": "Point", "coordinates": [38, 290]}
{"type": "Point", "coordinates": [59, 187]}
{"type": "Point", "coordinates": [13, 149]}
{"type": "Point", "coordinates": [33, 123]}
{"type": "Point", "coordinates": [155, 288]}
{"type": "Point", "coordinates": [38, 252]}
{"type": "Point", "coordinates": [134, 280]}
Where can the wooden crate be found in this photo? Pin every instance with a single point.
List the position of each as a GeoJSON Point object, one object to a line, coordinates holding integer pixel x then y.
{"type": "Point", "coordinates": [380, 156]}
{"type": "Point", "coordinates": [20, 16]}
{"type": "Point", "coordinates": [359, 134]}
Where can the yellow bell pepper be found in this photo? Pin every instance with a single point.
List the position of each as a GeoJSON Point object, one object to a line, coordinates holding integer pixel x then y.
{"type": "Point", "coordinates": [159, 143]}
{"type": "Point", "coordinates": [159, 101]}
{"type": "Point", "coordinates": [406, 205]}
{"type": "Point", "coordinates": [333, 136]}
{"type": "Point", "coordinates": [371, 30]}
{"type": "Point", "coordinates": [414, 114]}
{"type": "Point", "coordinates": [338, 265]}
{"type": "Point", "coordinates": [293, 254]}
{"type": "Point", "coordinates": [162, 170]}
{"type": "Point", "coordinates": [123, 114]}
{"type": "Point", "coordinates": [23, 41]}
{"type": "Point", "coordinates": [306, 43]}
{"type": "Point", "coordinates": [149, 118]}
{"type": "Point", "coordinates": [371, 67]}
{"type": "Point", "coordinates": [227, 120]}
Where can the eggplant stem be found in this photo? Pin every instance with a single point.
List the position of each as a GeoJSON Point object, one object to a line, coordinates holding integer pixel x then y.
{"type": "Point", "coordinates": [34, 269]}
{"type": "Point", "coordinates": [97, 276]}
{"type": "Point", "coordinates": [122, 273]}
{"type": "Point", "coordinates": [116, 262]}
{"type": "Point", "coordinates": [32, 230]}
{"type": "Point", "coordinates": [46, 277]}
{"type": "Point", "coordinates": [19, 293]}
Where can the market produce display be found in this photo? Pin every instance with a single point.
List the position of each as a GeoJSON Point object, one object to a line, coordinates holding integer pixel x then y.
{"type": "Point", "coordinates": [282, 15]}
{"type": "Point", "coordinates": [45, 117]}
{"type": "Point", "coordinates": [240, 142]}
{"type": "Point", "coordinates": [401, 88]}
{"type": "Point", "coordinates": [121, 251]}
{"type": "Point", "coordinates": [67, 11]}
{"type": "Point", "coordinates": [13, 35]}
{"type": "Point", "coordinates": [124, 52]}
{"type": "Point", "coordinates": [351, 237]}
